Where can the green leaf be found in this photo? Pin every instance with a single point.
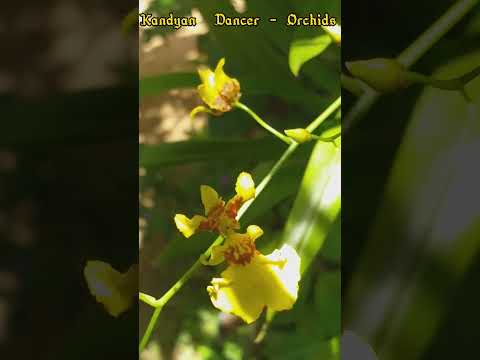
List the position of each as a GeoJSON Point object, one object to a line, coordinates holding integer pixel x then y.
{"type": "Point", "coordinates": [332, 249]}
{"type": "Point", "coordinates": [327, 302]}
{"type": "Point", "coordinates": [305, 49]}
{"type": "Point", "coordinates": [294, 345]}
{"type": "Point", "coordinates": [317, 204]}
{"type": "Point", "coordinates": [157, 84]}
{"type": "Point", "coordinates": [191, 151]}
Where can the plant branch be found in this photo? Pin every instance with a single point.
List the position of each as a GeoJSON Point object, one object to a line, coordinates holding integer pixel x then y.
{"type": "Point", "coordinates": [412, 54]}
{"type": "Point", "coordinates": [161, 302]}
{"type": "Point", "coordinates": [262, 123]}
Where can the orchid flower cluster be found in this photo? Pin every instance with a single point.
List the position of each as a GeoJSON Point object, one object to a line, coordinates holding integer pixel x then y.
{"type": "Point", "coordinates": [252, 281]}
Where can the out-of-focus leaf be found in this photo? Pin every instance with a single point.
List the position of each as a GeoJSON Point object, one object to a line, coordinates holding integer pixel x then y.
{"type": "Point", "coordinates": [183, 152]}
{"type": "Point", "coordinates": [304, 49]}
{"type": "Point", "coordinates": [354, 348]}
{"type": "Point", "coordinates": [332, 249]}
{"type": "Point", "coordinates": [293, 346]}
{"type": "Point", "coordinates": [157, 84]}
{"type": "Point", "coordinates": [429, 223]}
{"type": "Point", "coordinates": [39, 122]}
{"type": "Point", "coordinates": [473, 26]}
{"type": "Point", "coordinates": [317, 204]}
{"type": "Point", "coordinates": [327, 303]}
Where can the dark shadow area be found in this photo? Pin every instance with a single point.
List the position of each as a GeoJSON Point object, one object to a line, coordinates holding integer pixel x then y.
{"type": "Point", "coordinates": [68, 176]}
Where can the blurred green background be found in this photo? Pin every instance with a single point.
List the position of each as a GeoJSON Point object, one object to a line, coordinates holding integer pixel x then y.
{"type": "Point", "coordinates": [410, 261]}
{"type": "Point", "coordinates": [177, 156]}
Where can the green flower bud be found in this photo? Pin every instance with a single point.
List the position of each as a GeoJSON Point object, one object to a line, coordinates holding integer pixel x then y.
{"type": "Point", "coordinates": [383, 75]}
{"type": "Point", "coordinates": [299, 135]}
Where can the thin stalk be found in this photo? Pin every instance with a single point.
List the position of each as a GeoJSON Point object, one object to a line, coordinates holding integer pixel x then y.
{"type": "Point", "coordinates": [351, 84]}
{"type": "Point", "coordinates": [327, 138]}
{"type": "Point", "coordinates": [412, 54]}
{"type": "Point", "coordinates": [160, 303]}
{"type": "Point", "coordinates": [457, 84]}
{"type": "Point", "coordinates": [147, 299]}
{"type": "Point", "coordinates": [151, 326]}
{"type": "Point", "coordinates": [262, 123]}
{"type": "Point", "coordinates": [465, 79]}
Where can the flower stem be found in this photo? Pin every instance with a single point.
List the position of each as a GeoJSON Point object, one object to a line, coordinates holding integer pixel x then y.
{"type": "Point", "coordinates": [161, 302]}
{"type": "Point", "coordinates": [327, 138]}
{"type": "Point", "coordinates": [412, 54]}
{"type": "Point", "coordinates": [457, 84]}
{"type": "Point", "coordinates": [147, 299]}
{"type": "Point", "coordinates": [148, 332]}
{"type": "Point", "coordinates": [262, 123]}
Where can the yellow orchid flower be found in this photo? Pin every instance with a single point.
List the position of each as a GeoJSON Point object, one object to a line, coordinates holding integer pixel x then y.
{"type": "Point", "coordinates": [219, 216]}
{"type": "Point", "coordinates": [111, 288]}
{"type": "Point", "coordinates": [218, 90]}
{"type": "Point", "coordinates": [252, 280]}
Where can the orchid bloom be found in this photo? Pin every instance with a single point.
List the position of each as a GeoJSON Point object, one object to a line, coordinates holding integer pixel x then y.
{"type": "Point", "coordinates": [253, 281]}
{"type": "Point", "coordinates": [217, 90]}
{"type": "Point", "coordinates": [219, 216]}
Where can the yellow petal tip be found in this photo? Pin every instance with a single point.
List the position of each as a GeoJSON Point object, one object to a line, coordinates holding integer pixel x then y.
{"type": "Point", "coordinates": [245, 186]}
{"type": "Point", "coordinates": [187, 226]}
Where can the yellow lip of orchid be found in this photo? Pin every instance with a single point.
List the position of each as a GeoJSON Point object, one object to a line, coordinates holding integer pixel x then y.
{"type": "Point", "coordinates": [219, 216]}
{"type": "Point", "coordinates": [217, 90]}
{"type": "Point", "coordinates": [265, 281]}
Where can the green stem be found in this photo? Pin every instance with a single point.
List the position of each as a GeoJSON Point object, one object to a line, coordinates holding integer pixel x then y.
{"type": "Point", "coordinates": [324, 115]}
{"type": "Point", "coordinates": [435, 32]}
{"type": "Point", "coordinates": [327, 138]}
{"type": "Point", "coordinates": [148, 332]}
{"type": "Point", "coordinates": [453, 84]}
{"type": "Point", "coordinates": [147, 299]}
{"type": "Point", "coordinates": [465, 79]}
{"type": "Point", "coordinates": [160, 303]}
{"type": "Point", "coordinates": [262, 123]}
{"type": "Point", "coordinates": [352, 85]}
{"type": "Point", "coordinates": [412, 54]}
{"type": "Point", "coordinates": [457, 84]}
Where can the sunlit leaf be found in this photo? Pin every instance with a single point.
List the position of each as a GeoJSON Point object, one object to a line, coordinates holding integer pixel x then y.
{"type": "Point", "coordinates": [302, 50]}
{"type": "Point", "coordinates": [317, 204]}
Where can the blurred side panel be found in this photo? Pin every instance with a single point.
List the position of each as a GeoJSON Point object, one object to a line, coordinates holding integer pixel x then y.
{"type": "Point", "coordinates": [410, 225]}
{"type": "Point", "coordinates": [68, 178]}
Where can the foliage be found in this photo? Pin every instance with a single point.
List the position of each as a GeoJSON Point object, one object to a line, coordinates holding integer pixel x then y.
{"type": "Point", "coordinates": [261, 60]}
